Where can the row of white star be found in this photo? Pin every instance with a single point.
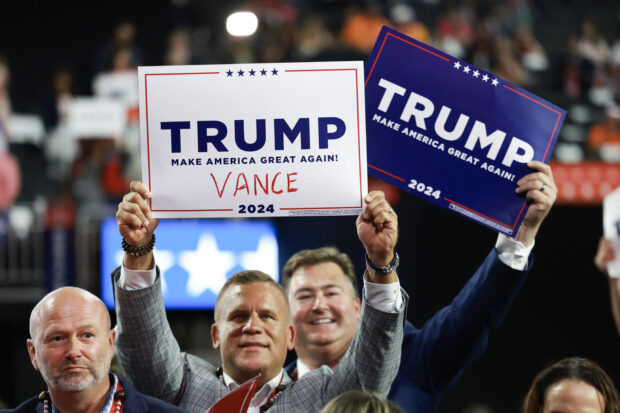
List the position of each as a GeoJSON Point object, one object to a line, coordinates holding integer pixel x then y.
{"type": "Point", "coordinates": [475, 73]}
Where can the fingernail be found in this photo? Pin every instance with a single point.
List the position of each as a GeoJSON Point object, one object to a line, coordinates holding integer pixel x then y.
{"type": "Point", "coordinates": [146, 223]}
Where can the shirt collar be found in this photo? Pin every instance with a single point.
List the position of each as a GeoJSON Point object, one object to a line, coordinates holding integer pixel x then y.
{"type": "Point", "coordinates": [107, 407]}
{"type": "Point", "coordinates": [262, 395]}
{"type": "Point", "coordinates": [302, 369]}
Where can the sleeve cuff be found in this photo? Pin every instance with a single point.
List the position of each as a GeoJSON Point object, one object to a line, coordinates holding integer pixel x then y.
{"type": "Point", "coordinates": [383, 297]}
{"type": "Point", "coordinates": [513, 253]}
{"type": "Point", "coordinates": [136, 280]}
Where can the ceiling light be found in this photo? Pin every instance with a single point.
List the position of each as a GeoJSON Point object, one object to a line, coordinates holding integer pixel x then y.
{"type": "Point", "coordinates": [242, 23]}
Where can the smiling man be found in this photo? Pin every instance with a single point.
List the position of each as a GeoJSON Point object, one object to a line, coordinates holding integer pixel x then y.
{"type": "Point", "coordinates": [322, 290]}
{"type": "Point", "coordinates": [72, 345]}
{"type": "Point", "coordinates": [253, 327]}
{"type": "Point", "coordinates": [325, 306]}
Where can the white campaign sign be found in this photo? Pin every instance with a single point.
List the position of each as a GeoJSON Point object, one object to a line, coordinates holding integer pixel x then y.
{"type": "Point", "coordinates": [253, 140]}
{"type": "Point", "coordinates": [96, 118]}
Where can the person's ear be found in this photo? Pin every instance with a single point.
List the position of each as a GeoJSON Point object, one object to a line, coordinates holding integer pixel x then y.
{"type": "Point", "coordinates": [31, 352]}
{"type": "Point", "coordinates": [291, 337]}
{"type": "Point", "coordinates": [112, 337]}
{"type": "Point", "coordinates": [215, 336]}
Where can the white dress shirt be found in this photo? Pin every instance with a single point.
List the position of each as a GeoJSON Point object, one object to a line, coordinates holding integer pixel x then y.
{"type": "Point", "coordinates": [383, 297]}
{"type": "Point", "coordinates": [260, 397]}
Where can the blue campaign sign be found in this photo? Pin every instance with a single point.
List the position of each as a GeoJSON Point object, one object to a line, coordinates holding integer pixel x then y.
{"type": "Point", "coordinates": [196, 257]}
{"type": "Point", "coordinates": [451, 133]}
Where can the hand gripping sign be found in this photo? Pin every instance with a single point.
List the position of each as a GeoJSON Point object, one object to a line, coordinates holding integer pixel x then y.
{"type": "Point", "coordinates": [451, 133]}
{"type": "Point", "coordinates": [253, 140]}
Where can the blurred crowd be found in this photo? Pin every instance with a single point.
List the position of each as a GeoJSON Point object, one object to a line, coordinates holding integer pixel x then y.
{"type": "Point", "coordinates": [582, 76]}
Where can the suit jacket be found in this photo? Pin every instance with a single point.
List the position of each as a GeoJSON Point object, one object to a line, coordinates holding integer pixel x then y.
{"type": "Point", "coordinates": [434, 356]}
{"type": "Point", "coordinates": [134, 403]}
{"type": "Point", "coordinates": [151, 358]}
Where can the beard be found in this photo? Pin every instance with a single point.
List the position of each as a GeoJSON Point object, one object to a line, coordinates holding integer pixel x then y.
{"type": "Point", "coordinates": [73, 382]}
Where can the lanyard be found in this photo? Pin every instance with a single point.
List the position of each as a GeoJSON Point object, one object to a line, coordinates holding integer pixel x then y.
{"type": "Point", "coordinates": [273, 396]}
{"type": "Point", "coordinates": [294, 374]}
{"type": "Point", "coordinates": [118, 402]}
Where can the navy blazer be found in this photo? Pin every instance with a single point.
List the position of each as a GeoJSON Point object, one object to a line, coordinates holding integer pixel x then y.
{"type": "Point", "coordinates": [435, 356]}
{"type": "Point", "coordinates": [134, 403]}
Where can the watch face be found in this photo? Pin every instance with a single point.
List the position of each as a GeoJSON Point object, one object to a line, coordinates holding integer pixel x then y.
{"type": "Point", "coordinates": [384, 270]}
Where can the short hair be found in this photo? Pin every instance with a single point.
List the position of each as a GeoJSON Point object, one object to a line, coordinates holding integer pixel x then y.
{"type": "Point", "coordinates": [246, 277]}
{"type": "Point", "coordinates": [308, 257]}
{"type": "Point", "coordinates": [360, 402]}
{"type": "Point", "coordinates": [575, 368]}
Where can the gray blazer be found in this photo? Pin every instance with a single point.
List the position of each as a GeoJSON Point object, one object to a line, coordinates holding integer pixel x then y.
{"type": "Point", "coordinates": [153, 362]}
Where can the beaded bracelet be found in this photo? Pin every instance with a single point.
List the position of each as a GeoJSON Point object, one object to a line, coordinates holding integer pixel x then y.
{"type": "Point", "coordinates": [138, 251]}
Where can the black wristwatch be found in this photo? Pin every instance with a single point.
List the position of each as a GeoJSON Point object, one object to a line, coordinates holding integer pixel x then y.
{"type": "Point", "coordinates": [383, 270]}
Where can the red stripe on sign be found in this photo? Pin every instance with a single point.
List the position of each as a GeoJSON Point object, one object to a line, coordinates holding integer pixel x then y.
{"type": "Point", "coordinates": [387, 173]}
{"type": "Point", "coordinates": [148, 137]}
{"type": "Point", "coordinates": [189, 73]}
{"type": "Point", "coordinates": [192, 210]}
{"type": "Point", "coordinates": [359, 144]}
{"type": "Point", "coordinates": [402, 40]}
{"type": "Point", "coordinates": [292, 209]}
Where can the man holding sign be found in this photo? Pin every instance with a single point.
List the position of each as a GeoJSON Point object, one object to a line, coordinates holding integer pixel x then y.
{"type": "Point", "coordinates": [323, 295]}
{"type": "Point", "coordinates": [252, 328]}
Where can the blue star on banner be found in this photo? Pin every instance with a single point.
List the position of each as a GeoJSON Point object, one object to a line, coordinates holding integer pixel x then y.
{"type": "Point", "coordinates": [252, 72]}
{"type": "Point", "coordinates": [229, 73]}
{"type": "Point", "coordinates": [241, 72]}
{"type": "Point", "coordinates": [274, 72]}
{"type": "Point", "coordinates": [263, 72]}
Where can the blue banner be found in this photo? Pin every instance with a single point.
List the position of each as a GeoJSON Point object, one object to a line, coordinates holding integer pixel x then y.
{"type": "Point", "coordinates": [196, 257]}
{"type": "Point", "coordinates": [451, 133]}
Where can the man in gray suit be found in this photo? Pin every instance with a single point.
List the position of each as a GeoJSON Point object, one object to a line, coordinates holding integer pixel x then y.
{"type": "Point", "coordinates": [252, 326]}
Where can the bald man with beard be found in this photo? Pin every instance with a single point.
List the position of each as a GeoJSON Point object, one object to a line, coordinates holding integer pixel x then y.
{"type": "Point", "coordinates": [72, 343]}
